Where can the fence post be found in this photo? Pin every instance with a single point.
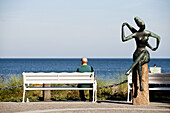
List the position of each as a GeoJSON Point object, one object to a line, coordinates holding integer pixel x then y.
{"type": "Point", "coordinates": [46, 93]}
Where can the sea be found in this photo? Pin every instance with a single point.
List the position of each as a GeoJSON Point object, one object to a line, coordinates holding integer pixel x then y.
{"type": "Point", "coordinates": [104, 68]}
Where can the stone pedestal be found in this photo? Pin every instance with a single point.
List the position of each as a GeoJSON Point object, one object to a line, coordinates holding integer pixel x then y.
{"type": "Point", "coordinates": [47, 93]}
{"type": "Point", "coordinates": [140, 97]}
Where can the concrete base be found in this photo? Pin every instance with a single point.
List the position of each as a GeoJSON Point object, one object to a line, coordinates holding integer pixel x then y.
{"type": "Point", "coordinates": [140, 97]}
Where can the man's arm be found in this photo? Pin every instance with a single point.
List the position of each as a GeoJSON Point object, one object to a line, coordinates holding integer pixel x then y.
{"type": "Point", "coordinates": [77, 69]}
{"type": "Point", "coordinates": [92, 69]}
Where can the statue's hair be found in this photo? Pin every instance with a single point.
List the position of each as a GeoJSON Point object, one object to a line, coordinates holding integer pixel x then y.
{"type": "Point", "coordinates": [139, 22]}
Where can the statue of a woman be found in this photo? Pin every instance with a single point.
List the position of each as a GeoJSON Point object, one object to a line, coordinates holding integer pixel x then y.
{"type": "Point", "coordinates": [141, 55]}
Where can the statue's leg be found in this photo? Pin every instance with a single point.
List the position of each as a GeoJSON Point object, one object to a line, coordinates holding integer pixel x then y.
{"type": "Point", "coordinates": [140, 75]}
{"type": "Point", "coordinates": [135, 62]}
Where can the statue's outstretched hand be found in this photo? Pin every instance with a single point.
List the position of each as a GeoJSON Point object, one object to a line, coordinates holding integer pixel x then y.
{"type": "Point", "coordinates": [154, 49]}
{"type": "Point", "coordinates": [125, 23]}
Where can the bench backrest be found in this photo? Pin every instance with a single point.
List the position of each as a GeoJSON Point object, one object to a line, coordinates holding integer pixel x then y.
{"type": "Point", "coordinates": [155, 78]}
{"type": "Point", "coordinates": [59, 78]}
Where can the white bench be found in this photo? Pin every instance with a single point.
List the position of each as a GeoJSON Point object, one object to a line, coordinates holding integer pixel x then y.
{"type": "Point", "coordinates": [59, 78]}
{"type": "Point", "coordinates": [154, 78]}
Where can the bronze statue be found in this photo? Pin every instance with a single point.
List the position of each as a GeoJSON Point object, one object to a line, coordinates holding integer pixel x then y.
{"type": "Point", "coordinates": [141, 55]}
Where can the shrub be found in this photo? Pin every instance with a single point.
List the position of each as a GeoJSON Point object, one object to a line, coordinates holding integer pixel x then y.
{"type": "Point", "coordinates": [15, 95]}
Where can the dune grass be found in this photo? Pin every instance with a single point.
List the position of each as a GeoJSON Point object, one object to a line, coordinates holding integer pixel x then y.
{"type": "Point", "coordinates": [11, 95]}
{"type": "Point", "coordinates": [114, 93]}
{"type": "Point", "coordinates": [15, 95]}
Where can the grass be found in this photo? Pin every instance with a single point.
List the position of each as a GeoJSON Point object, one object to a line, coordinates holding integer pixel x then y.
{"type": "Point", "coordinates": [114, 93]}
{"type": "Point", "coordinates": [11, 95]}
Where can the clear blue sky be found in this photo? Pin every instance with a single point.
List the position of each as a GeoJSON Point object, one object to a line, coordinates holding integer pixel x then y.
{"type": "Point", "coordinates": [77, 28]}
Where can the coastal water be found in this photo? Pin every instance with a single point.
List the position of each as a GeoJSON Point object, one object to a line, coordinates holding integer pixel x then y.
{"type": "Point", "coordinates": [104, 68]}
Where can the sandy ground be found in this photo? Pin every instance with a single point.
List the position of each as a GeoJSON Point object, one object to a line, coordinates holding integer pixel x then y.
{"type": "Point", "coordinates": [83, 107]}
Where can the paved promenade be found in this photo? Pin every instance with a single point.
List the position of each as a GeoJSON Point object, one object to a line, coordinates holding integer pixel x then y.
{"type": "Point", "coordinates": [83, 107]}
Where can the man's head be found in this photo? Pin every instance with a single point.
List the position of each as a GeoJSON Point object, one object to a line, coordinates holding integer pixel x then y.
{"type": "Point", "coordinates": [84, 61]}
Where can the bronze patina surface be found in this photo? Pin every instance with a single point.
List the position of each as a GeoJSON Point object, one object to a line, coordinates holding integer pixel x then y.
{"type": "Point", "coordinates": [141, 55]}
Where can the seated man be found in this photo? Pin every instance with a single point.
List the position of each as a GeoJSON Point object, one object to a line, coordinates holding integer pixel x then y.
{"type": "Point", "coordinates": [85, 68]}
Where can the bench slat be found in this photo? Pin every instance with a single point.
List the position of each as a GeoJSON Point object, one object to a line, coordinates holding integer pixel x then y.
{"type": "Point", "coordinates": [57, 88]}
{"type": "Point", "coordinates": [58, 82]}
{"type": "Point", "coordinates": [59, 78]}
{"type": "Point", "coordinates": [160, 88]}
{"type": "Point", "coordinates": [159, 82]}
{"type": "Point", "coordinates": [57, 74]}
{"type": "Point", "coordinates": [155, 82]}
{"type": "Point", "coordinates": [157, 88]}
{"type": "Point", "coordinates": [159, 74]}
{"type": "Point", "coordinates": [159, 78]}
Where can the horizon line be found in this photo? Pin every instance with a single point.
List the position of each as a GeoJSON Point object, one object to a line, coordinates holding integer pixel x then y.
{"type": "Point", "coordinates": [76, 58]}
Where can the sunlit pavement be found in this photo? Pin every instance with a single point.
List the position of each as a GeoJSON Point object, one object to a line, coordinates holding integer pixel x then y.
{"type": "Point", "coordinates": [83, 107]}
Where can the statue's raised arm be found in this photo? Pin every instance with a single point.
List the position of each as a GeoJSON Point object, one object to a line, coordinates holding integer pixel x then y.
{"type": "Point", "coordinates": [157, 40]}
{"type": "Point", "coordinates": [133, 30]}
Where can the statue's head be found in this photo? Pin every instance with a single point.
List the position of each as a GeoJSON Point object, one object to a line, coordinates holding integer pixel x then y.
{"type": "Point", "coordinates": [140, 23]}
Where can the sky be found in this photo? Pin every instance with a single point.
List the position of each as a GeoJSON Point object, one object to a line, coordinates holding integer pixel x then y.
{"type": "Point", "coordinates": [79, 28]}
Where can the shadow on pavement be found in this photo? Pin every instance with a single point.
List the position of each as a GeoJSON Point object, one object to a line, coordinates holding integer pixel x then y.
{"type": "Point", "coordinates": [114, 101]}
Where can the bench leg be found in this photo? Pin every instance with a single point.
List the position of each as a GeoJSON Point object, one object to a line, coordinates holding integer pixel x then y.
{"type": "Point", "coordinates": [96, 93]}
{"type": "Point", "coordinates": [128, 95]}
{"type": "Point", "coordinates": [27, 96]}
{"type": "Point", "coordinates": [96, 96]}
{"type": "Point", "coordinates": [23, 95]}
{"type": "Point", "coordinates": [131, 96]}
{"type": "Point", "coordinates": [93, 95]}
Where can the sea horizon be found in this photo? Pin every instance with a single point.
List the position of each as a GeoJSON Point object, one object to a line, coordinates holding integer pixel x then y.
{"type": "Point", "coordinates": [106, 67]}
{"type": "Point", "coordinates": [70, 58]}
